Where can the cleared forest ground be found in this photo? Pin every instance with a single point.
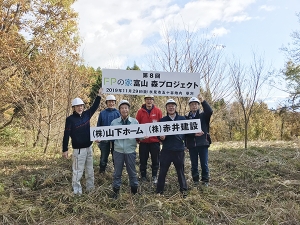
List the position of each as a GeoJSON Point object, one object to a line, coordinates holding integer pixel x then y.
{"type": "Point", "coordinates": [260, 185]}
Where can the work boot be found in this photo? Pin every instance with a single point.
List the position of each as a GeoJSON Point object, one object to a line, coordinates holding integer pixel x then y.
{"type": "Point", "coordinates": [184, 194]}
{"type": "Point", "coordinates": [101, 170]}
{"type": "Point", "coordinates": [116, 193]}
{"type": "Point", "coordinates": [204, 183]}
{"type": "Point", "coordinates": [134, 190]}
{"type": "Point", "coordinates": [196, 183]}
{"type": "Point", "coordinates": [154, 180]}
{"type": "Point", "coordinates": [144, 179]}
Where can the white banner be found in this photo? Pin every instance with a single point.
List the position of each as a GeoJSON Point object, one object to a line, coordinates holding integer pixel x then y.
{"type": "Point", "coordinates": [118, 132]}
{"type": "Point", "coordinates": [145, 130]}
{"type": "Point", "coordinates": [136, 82]}
{"type": "Point", "coordinates": [173, 127]}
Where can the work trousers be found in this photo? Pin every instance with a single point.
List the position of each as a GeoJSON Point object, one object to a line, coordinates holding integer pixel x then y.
{"type": "Point", "coordinates": [82, 160]}
{"type": "Point", "coordinates": [144, 150]}
{"type": "Point", "coordinates": [106, 147]}
{"type": "Point", "coordinates": [129, 159]}
{"type": "Point", "coordinates": [166, 158]}
{"type": "Point", "coordinates": [202, 153]}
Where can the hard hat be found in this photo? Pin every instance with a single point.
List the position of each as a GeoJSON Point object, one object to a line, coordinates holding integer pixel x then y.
{"type": "Point", "coordinates": [110, 98]}
{"type": "Point", "coordinates": [77, 101]}
{"type": "Point", "coordinates": [122, 102]}
{"type": "Point", "coordinates": [149, 96]}
{"type": "Point", "coordinates": [194, 99]}
{"type": "Point", "coordinates": [169, 101]}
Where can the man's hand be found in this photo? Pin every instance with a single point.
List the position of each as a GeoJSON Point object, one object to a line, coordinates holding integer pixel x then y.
{"type": "Point", "coordinates": [97, 141]}
{"type": "Point", "coordinates": [201, 99]}
{"type": "Point", "coordinates": [162, 138]}
{"type": "Point", "coordinates": [100, 91]}
{"type": "Point", "coordinates": [199, 134]}
{"type": "Point", "coordinates": [65, 154]}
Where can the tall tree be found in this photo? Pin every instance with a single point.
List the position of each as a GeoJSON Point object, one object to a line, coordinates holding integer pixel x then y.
{"type": "Point", "coordinates": [292, 77]}
{"type": "Point", "coordinates": [192, 52]}
{"type": "Point", "coordinates": [292, 68]}
{"type": "Point", "coordinates": [247, 83]}
{"type": "Point", "coordinates": [39, 64]}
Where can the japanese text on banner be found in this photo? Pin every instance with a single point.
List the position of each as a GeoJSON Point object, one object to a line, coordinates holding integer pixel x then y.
{"type": "Point", "coordinates": [136, 82]}
{"type": "Point", "coordinates": [145, 130]}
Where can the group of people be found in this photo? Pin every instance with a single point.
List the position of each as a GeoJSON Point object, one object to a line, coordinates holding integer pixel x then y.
{"type": "Point", "coordinates": [124, 150]}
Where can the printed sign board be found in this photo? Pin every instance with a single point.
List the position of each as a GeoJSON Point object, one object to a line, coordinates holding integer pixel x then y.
{"type": "Point", "coordinates": [136, 82]}
{"type": "Point", "coordinates": [145, 130]}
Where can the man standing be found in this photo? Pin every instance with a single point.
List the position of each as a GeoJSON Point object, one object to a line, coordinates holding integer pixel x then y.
{"type": "Point", "coordinates": [78, 128]}
{"type": "Point", "coordinates": [198, 143]}
{"type": "Point", "coordinates": [172, 151]}
{"type": "Point", "coordinates": [106, 116]}
{"type": "Point", "coordinates": [124, 152]}
{"type": "Point", "coordinates": [149, 113]}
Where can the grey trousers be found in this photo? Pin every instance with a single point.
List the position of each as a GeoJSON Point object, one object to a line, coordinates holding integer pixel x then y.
{"type": "Point", "coordinates": [129, 159]}
{"type": "Point", "coordinates": [82, 160]}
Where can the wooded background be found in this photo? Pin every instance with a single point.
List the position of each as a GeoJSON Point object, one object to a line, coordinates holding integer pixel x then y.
{"type": "Point", "coordinates": [41, 72]}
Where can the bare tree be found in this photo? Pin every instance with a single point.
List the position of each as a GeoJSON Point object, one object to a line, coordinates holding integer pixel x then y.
{"type": "Point", "coordinates": [192, 52]}
{"type": "Point", "coordinates": [247, 83]}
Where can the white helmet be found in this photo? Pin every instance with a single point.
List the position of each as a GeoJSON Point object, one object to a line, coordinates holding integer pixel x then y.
{"type": "Point", "coordinates": [77, 101]}
{"type": "Point", "coordinates": [110, 98]}
{"type": "Point", "coordinates": [124, 102]}
{"type": "Point", "coordinates": [171, 101]}
{"type": "Point", "coordinates": [149, 96]}
{"type": "Point", "coordinates": [194, 99]}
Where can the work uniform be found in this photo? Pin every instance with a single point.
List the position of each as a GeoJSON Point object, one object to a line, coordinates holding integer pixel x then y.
{"type": "Point", "coordinates": [172, 152]}
{"type": "Point", "coordinates": [78, 128]}
{"type": "Point", "coordinates": [149, 145]}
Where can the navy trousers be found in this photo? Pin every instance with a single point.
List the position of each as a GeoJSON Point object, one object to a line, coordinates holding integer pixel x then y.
{"type": "Point", "coordinates": [144, 150]}
{"type": "Point", "coordinates": [106, 147]}
{"type": "Point", "coordinates": [202, 153]}
{"type": "Point", "coordinates": [166, 158]}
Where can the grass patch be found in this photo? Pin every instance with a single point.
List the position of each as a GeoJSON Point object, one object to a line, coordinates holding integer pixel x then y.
{"type": "Point", "coordinates": [260, 185]}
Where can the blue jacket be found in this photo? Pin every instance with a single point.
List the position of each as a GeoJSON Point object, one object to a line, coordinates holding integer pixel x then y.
{"type": "Point", "coordinates": [78, 128]}
{"type": "Point", "coordinates": [106, 116]}
{"type": "Point", "coordinates": [173, 142]}
{"type": "Point", "coordinates": [203, 140]}
{"type": "Point", "coordinates": [125, 145]}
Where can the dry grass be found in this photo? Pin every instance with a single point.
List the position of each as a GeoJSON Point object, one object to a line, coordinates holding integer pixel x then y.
{"type": "Point", "coordinates": [260, 185]}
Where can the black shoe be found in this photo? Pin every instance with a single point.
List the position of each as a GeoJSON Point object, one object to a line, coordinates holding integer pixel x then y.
{"type": "Point", "coordinates": [184, 194]}
{"type": "Point", "coordinates": [134, 190]}
{"type": "Point", "coordinates": [101, 170]}
{"type": "Point", "coordinates": [205, 184]}
{"type": "Point", "coordinates": [159, 193]}
{"type": "Point", "coordinates": [154, 180]}
{"type": "Point", "coordinates": [196, 183]}
{"type": "Point", "coordinates": [115, 195]}
{"type": "Point", "coordinates": [144, 179]}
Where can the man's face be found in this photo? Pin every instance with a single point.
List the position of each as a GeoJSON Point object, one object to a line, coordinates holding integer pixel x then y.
{"type": "Point", "coordinates": [194, 106]}
{"type": "Point", "coordinates": [149, 102]}
{"type": "Point", "coordinates": [111, 103]}
{"type": "Point", "coordinates": [124, 110]}
{"type": "Point", "coordinates": [79, 109]}
{"type": "Point", "coordinates": [171, 108]}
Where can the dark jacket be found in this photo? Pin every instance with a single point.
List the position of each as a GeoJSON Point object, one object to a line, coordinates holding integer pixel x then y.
{"type": "Point", "coordinates": [203, 140]}
{"type": "Point", "coordinates": [106, 116]}
{"type": "Point", "coordinates": [173, 142]}
{"type": "Point", "coordinates": [78, 128]}
{"type": "Point", "coordinates": [144, 117]}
